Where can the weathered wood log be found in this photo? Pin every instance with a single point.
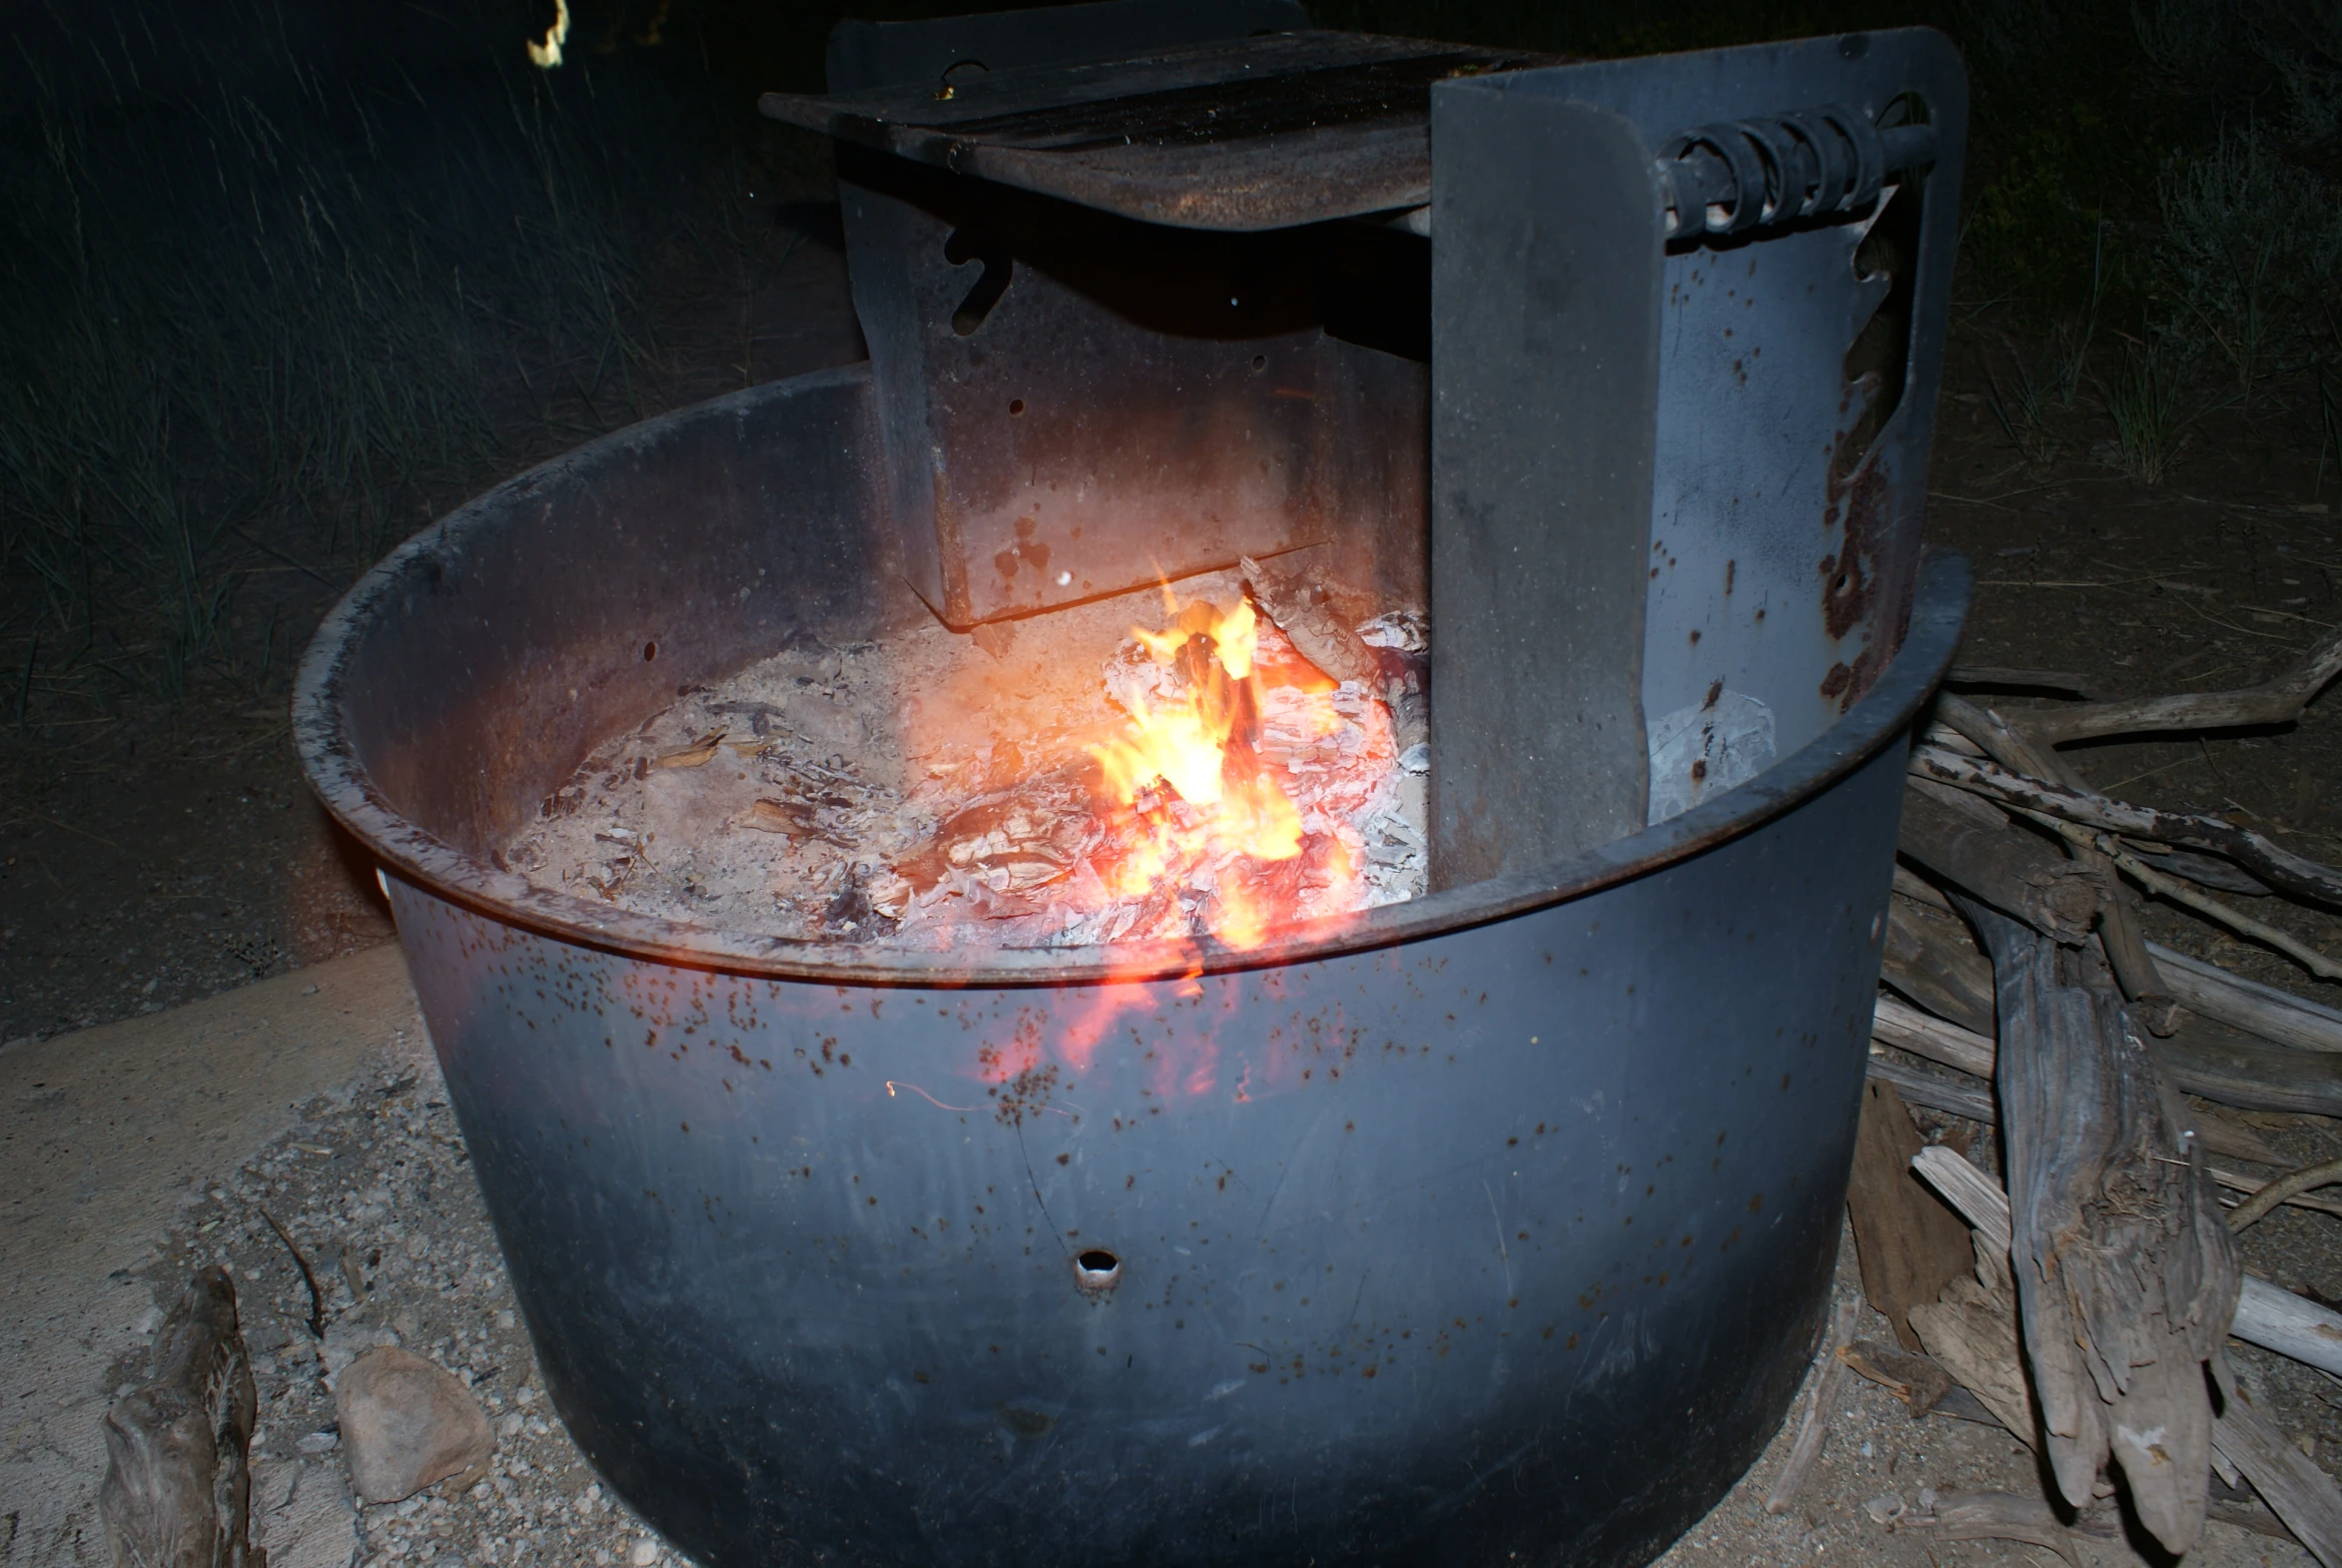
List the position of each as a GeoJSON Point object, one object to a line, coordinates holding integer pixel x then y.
{"type": "Point", "coordinates": [2272, 1318]}
{"type": "Point", "coordinates": [2296, 1490]}
{"type": "Point", "coordinates": [2248, 1005]}
{"type": "Point", "coordinates": [1909, 1245]}
{"type": "Point", "coordinates": [2126, 1273]}
{"type": "Point", "coordinates": [2277, 701]}
{"type": "Point", "coordinates": [2014, 870]}
{"type": "Point", "coordinates": [1929, 959]}
{"type": "Point", "coordinates": [2235, 1069]}
{"type": "Point", "coordinates": [1821, 1406]}
{"type": "Point", "coordinates": [178, 1485]}
{"type": "Point", "coordinates": [2202, 1059]}
{"type": "Point", "coordinates": [2118, 927]}
{"type": "Point", "coordinates": [2280, 868]}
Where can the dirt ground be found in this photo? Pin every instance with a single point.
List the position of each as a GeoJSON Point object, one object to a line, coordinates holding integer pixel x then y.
{"type": "Point", "coordinates": [152, 863]}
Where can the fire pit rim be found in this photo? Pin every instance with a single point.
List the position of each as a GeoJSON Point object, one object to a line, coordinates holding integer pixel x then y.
{"type": "Point", "coordinates": [349, 793]}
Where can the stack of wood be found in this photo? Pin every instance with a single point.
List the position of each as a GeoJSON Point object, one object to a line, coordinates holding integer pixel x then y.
{"type": "Point", "coordinates": [2082, 1294]}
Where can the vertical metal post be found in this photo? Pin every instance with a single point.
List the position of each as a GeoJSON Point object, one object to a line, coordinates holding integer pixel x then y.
{"type": "Point", "coordinates": [1545, 301]}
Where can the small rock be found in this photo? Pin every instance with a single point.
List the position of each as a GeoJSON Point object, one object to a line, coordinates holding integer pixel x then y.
{"type": "Point", "coordinates": [407, 1423]}
{"type": "Point", "coordinates": [318, 1442]}
{"type": "Point", "coordinates": [1885, 1509]}
{"type": "Point", "coordinates": [645, 1552]}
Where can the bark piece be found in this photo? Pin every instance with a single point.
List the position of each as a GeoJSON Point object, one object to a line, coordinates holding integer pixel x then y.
{"type": "Point", "coordinates": [1909, 1244]}
{"type": "Point", "coordinates": [407, 1423]}
{"type": "Point", "coordinates": [1918, 1379]}
{"type": "Point", "coordinates": [2125, 1272]}
{"type": "Point", "coordinates": [178, 1487]}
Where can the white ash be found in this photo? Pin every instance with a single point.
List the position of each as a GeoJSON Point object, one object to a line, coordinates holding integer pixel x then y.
{"type": "Point", "coordinates": [936, 790]}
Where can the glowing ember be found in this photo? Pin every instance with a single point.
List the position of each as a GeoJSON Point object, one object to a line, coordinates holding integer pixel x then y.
{"type": "Point", "coordinates": [1192, 804]}
{"type": "Point", "coordinates": [1081, 785]}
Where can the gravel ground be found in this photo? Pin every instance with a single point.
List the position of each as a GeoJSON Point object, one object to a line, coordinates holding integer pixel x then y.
{"type": "Point", "coordinates": [378, 1198]}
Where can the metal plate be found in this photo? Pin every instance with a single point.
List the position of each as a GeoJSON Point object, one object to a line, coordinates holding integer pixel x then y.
{"type": "Point", "coordinates": [1250, 134]}
{"type": "Point", "coordinates": [1545, 380]}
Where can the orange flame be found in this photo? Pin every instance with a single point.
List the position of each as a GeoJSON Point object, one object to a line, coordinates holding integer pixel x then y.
{"type": "Point", "coordinates": [1193, 792]}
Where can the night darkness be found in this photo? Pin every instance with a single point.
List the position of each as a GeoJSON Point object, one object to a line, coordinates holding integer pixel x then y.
{"type": "Point", "coordinates": [280, 281]}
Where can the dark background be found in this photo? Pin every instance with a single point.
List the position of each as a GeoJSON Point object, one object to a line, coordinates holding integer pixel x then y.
{"type": "Point", "coordinates": [281, 279]}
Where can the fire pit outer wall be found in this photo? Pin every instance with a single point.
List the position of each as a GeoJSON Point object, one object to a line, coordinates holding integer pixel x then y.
{"type": "Point", "coordinates": [1494, 1226]}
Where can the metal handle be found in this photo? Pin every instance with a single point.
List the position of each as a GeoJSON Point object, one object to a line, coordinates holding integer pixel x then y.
{"type": "Point", "coordinates": [1746, 174]}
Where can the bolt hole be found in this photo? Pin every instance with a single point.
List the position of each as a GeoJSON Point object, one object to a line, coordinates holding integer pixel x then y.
{"type": "Point", "coordinates": [1260, 362]}
{"type": "Point", "coordinates": [1016, 405]}
{"type": "Point", "coordinates": [650, 651]}
{"type": "Point", "coordinates": [1095, 1268]}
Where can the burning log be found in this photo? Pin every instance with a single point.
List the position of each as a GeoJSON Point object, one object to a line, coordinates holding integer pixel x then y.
{"type": "Point", "coordinates": [178, 1485]}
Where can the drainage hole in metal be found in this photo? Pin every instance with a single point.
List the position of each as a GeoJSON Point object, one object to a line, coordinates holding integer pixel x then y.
{"type": "Point", "coordinates": [1095, 1268]}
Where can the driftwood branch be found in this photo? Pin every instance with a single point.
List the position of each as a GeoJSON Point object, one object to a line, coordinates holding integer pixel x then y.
{"type": "Point", "coordinates": [2125, 1275]}
{"type": "Point", "coordinates": [2277, 701]}
{"type": "Point", "coordinates": [2280, 868]}
{"type": "Point", "coordinates": [2201, 1058]}
{"type": "Point", "coordinates": [2118, 928]}
{"type": "Point", "coordinates": [2248, 1005]}
{"type": "Point", "coordinates": [2296, 1490]}
{"type": "Point", "coordinates": [2273, 1318]}
{"type": "Point", "coordinates": [178, 1485]}
{"type": "Point", "coordinates": [2290, 1185]}
{"type": "Point", "coordinates": [1820, 1406]}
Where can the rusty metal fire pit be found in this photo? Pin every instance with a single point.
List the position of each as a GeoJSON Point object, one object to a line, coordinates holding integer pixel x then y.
{"type": "Point", "coordinates": [1489, 1226]}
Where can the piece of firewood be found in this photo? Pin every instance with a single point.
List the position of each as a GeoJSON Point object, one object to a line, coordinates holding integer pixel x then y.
{"type": "Point", "coordinates": [1909, 1245]}
{"type": "Point", "coordinates": [1965, 1333]}
{"type": "Point", "coordinates": [1929, 958]}
{"type": "Point", "coordinates": [178, 1485]}
{"type": "Point", "coordinates": [1821, 1406]}
{"type": "Point", "coordinates": [2248, 1005]}
{"type": "Point", "coordinates": [1904, 1027]}
{"type": "Point", "coordinates": [2277, 701]}
{"type": "Point", "coordinates": [2015, 871]}
{"type": "Point", "coordinates": [2270, 1317]}
{"type": "Point", "coordinates": [1291, 596]}
{"type": "Point", "coordinates": [2118, 928]}
{"type": "Point", "coordinates": [2127, 1275]}
{"type": "Point", "coordinates": [2280, 868]}
{"type": "Point", "coordinates": [2295, 1489]}
{"type": "Point", "coordinates": [2195, 1058]}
